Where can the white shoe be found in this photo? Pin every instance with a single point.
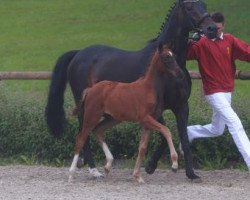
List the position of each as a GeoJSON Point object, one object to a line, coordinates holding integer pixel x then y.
{"type": "Point", "coordinates": [95, 173]}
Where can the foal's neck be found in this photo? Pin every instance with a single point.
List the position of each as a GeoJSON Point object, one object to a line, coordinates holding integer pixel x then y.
{"type": "Point", "coordinates": [152, 71]}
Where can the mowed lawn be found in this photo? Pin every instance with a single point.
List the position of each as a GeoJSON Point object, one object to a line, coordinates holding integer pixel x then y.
{"type": "Point", "coordinates": [35, 33]}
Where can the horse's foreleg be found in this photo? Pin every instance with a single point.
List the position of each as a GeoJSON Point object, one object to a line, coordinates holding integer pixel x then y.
{"type": "Point", "coordinates": [152, 163]}
{"type": "Point", "coordinates": [152, 123]}
{"type": "Point", "coordinates": [181, 114]}
{"type": "Point", "coordinates": [142, 150]}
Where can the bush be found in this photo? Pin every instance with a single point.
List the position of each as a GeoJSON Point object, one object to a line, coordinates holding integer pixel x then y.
{"type": "Point", "coordinates": [24, 135]}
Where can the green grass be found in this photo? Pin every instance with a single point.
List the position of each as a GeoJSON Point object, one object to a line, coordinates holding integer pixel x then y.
{"type": "Point", "coordinates": [35, 33]}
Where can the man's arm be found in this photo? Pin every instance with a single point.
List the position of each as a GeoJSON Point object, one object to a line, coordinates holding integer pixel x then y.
{"type": "Point", "coordinates": [241, 50]}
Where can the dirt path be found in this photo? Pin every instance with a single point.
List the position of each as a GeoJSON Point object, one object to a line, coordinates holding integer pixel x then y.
{"type": "Point", "coordinates": [49, 183]}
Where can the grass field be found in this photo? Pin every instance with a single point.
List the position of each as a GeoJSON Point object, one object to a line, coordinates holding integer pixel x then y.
{"type": "Point", "coordinates": [34, 33]}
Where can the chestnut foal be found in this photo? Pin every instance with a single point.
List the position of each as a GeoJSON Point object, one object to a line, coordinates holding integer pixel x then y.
{"type": "Point", "coordinates": [140, 101]}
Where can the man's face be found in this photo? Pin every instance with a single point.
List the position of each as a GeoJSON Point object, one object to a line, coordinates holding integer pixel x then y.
{"type": "Point", "coordinates": [220, 27]}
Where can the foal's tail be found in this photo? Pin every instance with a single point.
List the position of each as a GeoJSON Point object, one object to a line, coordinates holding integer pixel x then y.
{"type": "Point", "coordinates": [79, 109]}
{"type": "Point", "coordinates": [54, 112]}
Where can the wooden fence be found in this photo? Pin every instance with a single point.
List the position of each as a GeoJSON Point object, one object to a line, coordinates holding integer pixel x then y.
{"type": "Point", "coordinates": [47, 75]}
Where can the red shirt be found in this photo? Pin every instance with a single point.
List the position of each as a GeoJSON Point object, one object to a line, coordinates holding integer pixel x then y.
{"type": "Point", "coordinates": [216, 60]}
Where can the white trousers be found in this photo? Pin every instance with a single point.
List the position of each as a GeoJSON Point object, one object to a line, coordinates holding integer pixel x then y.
{"type": "Point", "coordinates": [223, 114]}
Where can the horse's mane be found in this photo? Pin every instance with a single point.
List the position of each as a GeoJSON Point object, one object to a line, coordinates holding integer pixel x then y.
{"type": "Point", "coordinates": [164, 23]}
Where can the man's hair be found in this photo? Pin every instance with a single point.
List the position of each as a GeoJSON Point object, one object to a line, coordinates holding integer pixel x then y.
{"type": "Point", "coordinates": [218, 17]}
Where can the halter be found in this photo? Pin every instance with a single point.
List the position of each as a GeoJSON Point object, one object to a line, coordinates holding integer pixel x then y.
{"type": "Point", "coordinates": [205, 15]}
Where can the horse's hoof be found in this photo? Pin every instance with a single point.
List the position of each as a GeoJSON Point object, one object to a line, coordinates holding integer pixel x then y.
{"type": "Point", "coordinates": [151, 167]}
{"type": "Point", "coordinates": [196, 180]}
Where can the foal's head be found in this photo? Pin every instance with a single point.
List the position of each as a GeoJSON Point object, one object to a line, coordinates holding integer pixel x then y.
{"type": "Point", "coordinates": [165, 60]}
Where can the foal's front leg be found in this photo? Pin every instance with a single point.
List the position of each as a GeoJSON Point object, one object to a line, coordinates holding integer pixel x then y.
{"type": "Point", "coordinates": [151, 122]}
{"type": "Point", "coordinates": [142, 150]}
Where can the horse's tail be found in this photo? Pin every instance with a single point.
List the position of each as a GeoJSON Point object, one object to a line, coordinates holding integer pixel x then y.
{"type": "Point", "coordinates": [54, 112]}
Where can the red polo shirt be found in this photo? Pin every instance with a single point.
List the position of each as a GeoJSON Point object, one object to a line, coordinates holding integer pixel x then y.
{"type": "Point", "coordinates": [216, 60]}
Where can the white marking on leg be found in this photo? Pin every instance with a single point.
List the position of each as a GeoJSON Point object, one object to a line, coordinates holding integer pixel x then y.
{"type": "Point", "coordinates": [73, 167]}
{"type": "Point", "coordinates": [95, 173]}
{"type": "Point", "coordinates": [109, 157]}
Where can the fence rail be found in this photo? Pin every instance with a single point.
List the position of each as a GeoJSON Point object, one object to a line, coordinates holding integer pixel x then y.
{"type": "Point", "coordinates": [242, 75]}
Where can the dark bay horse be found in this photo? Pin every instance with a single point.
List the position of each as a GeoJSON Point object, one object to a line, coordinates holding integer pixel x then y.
{"type": "Point", "coordinates": [108, 63]}
{"type": "Point", "coordinates": [138, 101]}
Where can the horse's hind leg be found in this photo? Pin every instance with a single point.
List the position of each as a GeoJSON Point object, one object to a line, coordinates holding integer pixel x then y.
{"type": "Point", "coordinates": [152, 123]}
{"type": "Point", "coordinates": [100, 134]}
{"type": "Point", "coordinates": [142, 150]}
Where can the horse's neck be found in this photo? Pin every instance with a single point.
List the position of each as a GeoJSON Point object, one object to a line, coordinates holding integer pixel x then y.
{"type": "Point", "coordinates": [175, 34]}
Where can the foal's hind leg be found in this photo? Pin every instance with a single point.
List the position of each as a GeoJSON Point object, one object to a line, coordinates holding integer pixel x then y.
{"type": "Point", "coordinates": [90, 121]}
{"type": "Point", "coordinates": [152, 123]}
{"type": "Point", "coordinates": [100, 134]}
{"type": "Point", "coordinates": [80, 141]}
{"type": "Point", "coordinates": [142, 150]}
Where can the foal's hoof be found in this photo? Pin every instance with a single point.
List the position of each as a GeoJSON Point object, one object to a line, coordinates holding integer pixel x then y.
{"type": "Point", "coordinates": [107, 169]}
{"type": "Point", "coordinates": [151, 167]}
{"type": "Point", "coordinates": [95, 173]}
{"type": "Point", "coordinates": [140, 180]}
{"type": "Point", "coordinates": [174, 169]}
{"type": "Point", "coordinates": [71, 179]}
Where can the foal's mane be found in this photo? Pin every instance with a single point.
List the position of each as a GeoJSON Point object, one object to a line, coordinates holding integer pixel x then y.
{"type": "Point", "coordinates": [154, 58]}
